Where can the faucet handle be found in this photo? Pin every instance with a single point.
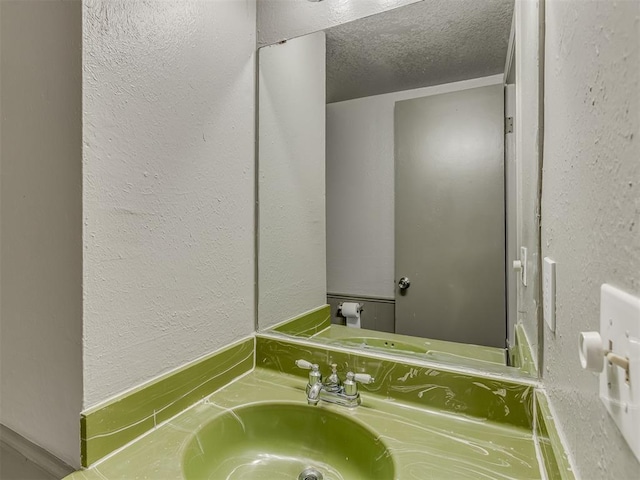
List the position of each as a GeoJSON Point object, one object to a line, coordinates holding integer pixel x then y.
{"type": "Point", "coordinates": [306, 365]}
{"type": "Point", "coordinates": [314, 375]}
{"type": "Point", "coordinates": [350, 384]}
{"type": "Point", "coordinates": [363, 378]}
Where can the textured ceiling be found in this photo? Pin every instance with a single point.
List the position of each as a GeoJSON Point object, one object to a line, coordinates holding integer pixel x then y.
{"type": "Point", "coordinates": [428, 43]}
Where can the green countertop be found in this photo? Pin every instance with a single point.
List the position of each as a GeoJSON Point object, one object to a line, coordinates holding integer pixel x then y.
{"type": "Point", "coordinates": [424, 443]}
{"type": "Point", "coordinates": [424, 348]}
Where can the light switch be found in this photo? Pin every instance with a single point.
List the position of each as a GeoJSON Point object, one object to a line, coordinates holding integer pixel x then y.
{"type": "Point", "coordinates": [620, 389]}
{"type": "Point", "coordinates": [549, 293]}
{"type": "Point", "coordinates": [521, 265]}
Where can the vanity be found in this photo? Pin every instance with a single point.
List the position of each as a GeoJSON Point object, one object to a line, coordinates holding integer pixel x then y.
{"type": "Point", "coordinates": [413, 422]}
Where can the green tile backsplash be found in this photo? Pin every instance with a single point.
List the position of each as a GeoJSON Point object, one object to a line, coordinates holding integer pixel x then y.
{"type": "Point", "coordinates": [461, 393]}
{"type": "Point", "coordinates": [307, 324]}
{"type": "Point", "coordinates": [111, 425]}
{"type": "Point", "coordinates": [552, 450]}
{"type": "Point", "coordinates": [521, 354]}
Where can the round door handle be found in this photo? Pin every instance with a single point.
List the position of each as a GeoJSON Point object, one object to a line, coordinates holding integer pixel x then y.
{"type": "Point", "coordinates": [404, 283]}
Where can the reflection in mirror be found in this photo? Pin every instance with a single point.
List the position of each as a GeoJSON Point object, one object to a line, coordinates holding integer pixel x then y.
{"type": "Point", "coordinates": [413, 185]}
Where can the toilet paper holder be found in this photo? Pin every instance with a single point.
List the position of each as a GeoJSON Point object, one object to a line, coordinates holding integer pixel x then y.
{"type": "Point", "coordinates": [360, 308]}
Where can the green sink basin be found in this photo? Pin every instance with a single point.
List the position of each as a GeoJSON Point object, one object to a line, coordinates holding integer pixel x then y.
{"type": "Point", "coordinates": [280, 440]}
{"type": "Point", "coordinates": [380, 343]}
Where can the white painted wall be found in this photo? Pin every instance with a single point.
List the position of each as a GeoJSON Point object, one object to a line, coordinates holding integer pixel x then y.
{"type": "Point", "coordinates": [291, 138]}
{"type": "Point", "coordinates": [360, 189]}
{"type": "Point", "coordinates": [168, 187]}
{"type": "Point", "coordinates": [41, 236]}
{"type": "Point", "coordinates": [284, 19]}
{"type": "Point", "coordinates": [590, 206]}
{"type": "Point", "coordinates": [528, 164]}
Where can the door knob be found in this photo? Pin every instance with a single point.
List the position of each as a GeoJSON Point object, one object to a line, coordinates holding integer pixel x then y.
{"type": "Point", "coordinates": [404, 283]}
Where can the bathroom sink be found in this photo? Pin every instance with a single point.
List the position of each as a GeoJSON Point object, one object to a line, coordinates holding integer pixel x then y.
{"type": "Point", "coordinates": [285, 441]}
{"type": "Point", "coordinates": [380, 343]}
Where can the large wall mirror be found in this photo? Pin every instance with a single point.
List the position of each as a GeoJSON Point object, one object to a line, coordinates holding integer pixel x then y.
{"type": "Point", "coordinates": [392, 188]}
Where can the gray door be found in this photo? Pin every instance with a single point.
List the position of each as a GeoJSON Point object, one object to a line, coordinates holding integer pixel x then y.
{"type": "Point", "coordinates": [450, 216]}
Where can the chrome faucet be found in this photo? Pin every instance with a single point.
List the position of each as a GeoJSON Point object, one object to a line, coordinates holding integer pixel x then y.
{"type": "Point", "coordinates": [332, 390]}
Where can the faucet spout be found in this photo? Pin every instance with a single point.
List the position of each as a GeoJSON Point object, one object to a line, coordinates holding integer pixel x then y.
{"type": "Point", "coordinates": [313, 394]}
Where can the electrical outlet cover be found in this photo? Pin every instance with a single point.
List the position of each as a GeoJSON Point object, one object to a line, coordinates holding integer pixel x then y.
{"type": "Point", "coordinates": [549, 293]}
{"type": "Point", "coordinates": [620, 332]}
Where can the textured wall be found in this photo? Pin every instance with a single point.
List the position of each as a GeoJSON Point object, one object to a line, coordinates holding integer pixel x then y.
{"type": "Point", "coordinates": [168, 185]}
{"type": "Point", "coordinates": [360, 189]}
{"type": "Point", "coordinates": [283, 19]}
{"type": "Point", "coordinates": [590, 206]}
{"type": "Point", "coordinates": [528, 164]}
{"type": "Point", "coordinates": [292, 262]}
{"type": "Point", "coordinates": [41, 253]}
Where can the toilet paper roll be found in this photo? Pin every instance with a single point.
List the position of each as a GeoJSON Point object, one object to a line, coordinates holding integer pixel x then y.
{"type": "Point", "coordinates": [591, 351]}
{"type": "Point", "coordinates": [351, 311]}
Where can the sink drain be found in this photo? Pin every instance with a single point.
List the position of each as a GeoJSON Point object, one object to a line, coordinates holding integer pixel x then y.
{"type": "Point", "coordinates": [310, 473]}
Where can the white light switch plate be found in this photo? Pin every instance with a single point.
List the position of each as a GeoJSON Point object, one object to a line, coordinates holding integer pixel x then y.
{"type": "Point", "coordinates": [620, 329]}
{"type": "Point", "coordinates": [549, 293]}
